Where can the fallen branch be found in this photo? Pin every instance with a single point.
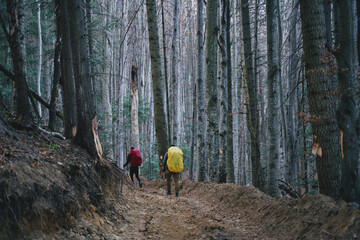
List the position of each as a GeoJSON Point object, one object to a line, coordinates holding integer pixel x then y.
{"type": "Point", "coordinates": [286, 187]}
{"type": "Point", "coordinates": [31, 92]}
{"type": "Point", "coordinates": [55, 134]}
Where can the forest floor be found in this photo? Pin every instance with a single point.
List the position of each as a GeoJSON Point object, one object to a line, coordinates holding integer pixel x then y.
{"type": "Point", "coordinates": [51, 189]}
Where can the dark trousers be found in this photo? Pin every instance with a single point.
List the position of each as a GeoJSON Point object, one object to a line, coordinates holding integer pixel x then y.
{"type": "Point", "coordinates": [135, 170]}
{"type": "Point", "coordinates": [168, 175]}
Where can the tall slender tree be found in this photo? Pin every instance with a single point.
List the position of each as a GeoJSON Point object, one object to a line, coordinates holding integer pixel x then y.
{"type": "Point", "coordinates": [258, 179]}
{"type": "Point", "coordinates": [134, 139]}
{"type": "Point", "coordinates": [225, 8]}
{"type": "Point", "coordinates": [175, 81]}
{"type": "Point", "coordinates": [273, 95]}
{"type": "Point", "coordinates": [57, 68]}
{"type": "Point", "coordinates": [230, 176]}
{"type": "Point", "coordinates": [67, 75]}
{"type": "Point", "coordinates": [15, 37]}
{"type": "Point", "coordinates": [201, 94]}
{"type": "Point", "coordinates": [321, 104]}
{"type": "Point", "coordinates": [106, 80]}
{"type": "Point", "coordinates": [38, 84]}
{"type": "Point", "coordinates": [86, 134]}
{"type": "Point", "coordinates": [158, 81]}
{"type": "Point", "coordinates": [290, 175]}
{"type": "Point", "coordinates": [212, 134]}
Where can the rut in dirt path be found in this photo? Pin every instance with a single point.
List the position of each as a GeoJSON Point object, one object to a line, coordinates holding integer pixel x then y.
{"type": "Point", "coordinates": [152, 214]}
{"type": "Point", "coordinates": [227, 211]}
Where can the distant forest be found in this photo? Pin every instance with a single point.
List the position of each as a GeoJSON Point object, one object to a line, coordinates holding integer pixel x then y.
{"type": "Point", "coordinates": [255, 92]}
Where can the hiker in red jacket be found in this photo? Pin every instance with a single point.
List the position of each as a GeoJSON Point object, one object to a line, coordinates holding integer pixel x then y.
{"type": "Point", "coordinates": [135, 160]}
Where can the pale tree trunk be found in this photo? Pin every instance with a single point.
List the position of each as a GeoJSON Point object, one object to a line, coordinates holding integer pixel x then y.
{"type": "Point", "coordinates": [201, 94]}
{"type": "Point", "coordinates": [221, 175]}
{"type": "Point", "coordinates": [165, 72]}
{"type": "Point", "coordinates": [175, 80]}
{"type": "Point", "coordinates": [134, 139]}
{"type": "Point", "coordinates": [273, 96]}
{"type": "Point", "coordinates": [348, 112]}
{"type": "Point", "coordinates": [67, 75]}
{"type": "Point", "coordinates": [284, 150]}
{"type": "Point", "coordinates": [40, 58]}
{"type": "Point", "coordinates": [158, 81]}
{"type": "Point", "coordinates": [324, 127]}
{"type": "Point", "coordinates": [230, 177]}
{"type": "Point", "coordinates": [211, 88]}
{"type": "Point", "coordinates": [233, 92]}
{"type": "Point", "coordinates": [86, 134]}
{"type": "Point", "coordinates": [15, 37]}
{"type": "Point", "coordinates": [193, 136]}
{"type": "Point", "coordinates": [290, 175]}
{"type": "Point", "coordinates": [258, 179]}
{"type": "Point", "coordinates": [106, 81]}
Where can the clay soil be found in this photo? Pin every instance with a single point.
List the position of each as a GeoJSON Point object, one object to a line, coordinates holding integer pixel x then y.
{"type": "Point", "coordinates": [51, 189]}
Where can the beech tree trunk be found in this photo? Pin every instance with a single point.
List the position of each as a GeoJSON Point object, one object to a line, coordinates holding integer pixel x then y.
{"type": "Point", "coordinates": [158, 82]}
{"type": "Point", "coordinates": [40, 58]}
{"type": "Point", "coordinates": [290, 175]}
{"type": "Point", "coordinates": [212, 132]}
{"type": "Point", "coordinates": [201, 94]}
{"type": "Point", "coordinates": [135, 142]}
{"type": "Point", "coordinates": [175, 81]}
{"type": "Point", "coordinates": [106, 81]}
{"type": "Point", "coordinates": [348, 112]}
{"type": "Point", "coordinates": [57, 68]}
{"type": "Point", "coordinates": [221, 176]}
{"type": "Point", "coordinates": [273, 96]}
{"type": "Point", "coordinates": [326, 137]}
{"type": "Point", "coordinates": [67, 75]}
{"type": "Point", "coordinates": [15, 37]}
{"type": "Point", "coordinates": [258, 178]}
{"type": "Point", "coordinates": [86, 134]}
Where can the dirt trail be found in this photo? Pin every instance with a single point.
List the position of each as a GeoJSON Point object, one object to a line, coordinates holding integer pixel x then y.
{"type": "Point", "coordinates": [56, 193]}
{"type": "Point", "coordinates": [153, 215]}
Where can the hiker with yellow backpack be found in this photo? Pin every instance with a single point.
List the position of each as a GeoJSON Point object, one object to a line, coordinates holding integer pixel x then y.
{"type": "Point", "coordinates": [172, 166]}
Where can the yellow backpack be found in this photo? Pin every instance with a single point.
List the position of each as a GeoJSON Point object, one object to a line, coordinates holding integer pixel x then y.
{"type": "Point", "coordinates": [175, 160]}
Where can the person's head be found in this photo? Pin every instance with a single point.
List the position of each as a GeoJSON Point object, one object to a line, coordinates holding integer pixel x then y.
{"type": "Point", "coordinates": [132, 148]}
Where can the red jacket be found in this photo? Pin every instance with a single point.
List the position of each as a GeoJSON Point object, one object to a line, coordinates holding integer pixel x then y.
{"type": "Point", "coordinates": [134, 158]}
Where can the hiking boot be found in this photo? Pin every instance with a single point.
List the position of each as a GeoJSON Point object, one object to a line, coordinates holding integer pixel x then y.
{"type": "Point", "coordinates": [169, 193]}
{"type": "Point", "coordinates": [140, 184]}
{"type": "Point", "coordinates": [177, 194]}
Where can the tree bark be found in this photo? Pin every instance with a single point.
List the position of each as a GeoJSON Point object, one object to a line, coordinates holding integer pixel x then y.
{"type": "Point", "coordinates": [40, 58]}
{"type": "Point", "coordinates": [15, 38]}
{"type": "Point", "coordinates": [212, 132]}
{"type": "Point", "coordinates": [221, 175]}
{"type": "Point", "coordinates": [158, 82]}
{"type": "Point", "coordinates": [348, 112]}
{"type": "Point", "coordinates": [292, 76]}
{"type": "Point", "coordinates": [166, 72]}
{"type": "Point", "coordinates": [273, 96]}
{"type": "Point", "coordinates": [57, 68]}
{"type": "Point", "coordinates": [86, 134]}
{"type": "Point", "coordinates": [201, 94]}
{"type": "Point", "coordinates": [230, 176]}
{"type": "Point", "coordinates": [135, 142]}
{"type": "Point", "coordinates": [175, 80]}
{"type": "Point", "coordinates": [326, 136]}
{"type": "Point", "coordinates": [258, 179]}
{"type": "Point", "coordinates": [106, 83]}
{"type": "Point", "coordinates": [67, 75]}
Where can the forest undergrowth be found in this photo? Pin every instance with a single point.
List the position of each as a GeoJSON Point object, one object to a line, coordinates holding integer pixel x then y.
{"type": "Point", "coordinates": [51, 189]}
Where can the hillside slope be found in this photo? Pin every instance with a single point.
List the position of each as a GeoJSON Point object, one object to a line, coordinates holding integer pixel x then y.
{"type": "Point", "coordinates": [51, 189]}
